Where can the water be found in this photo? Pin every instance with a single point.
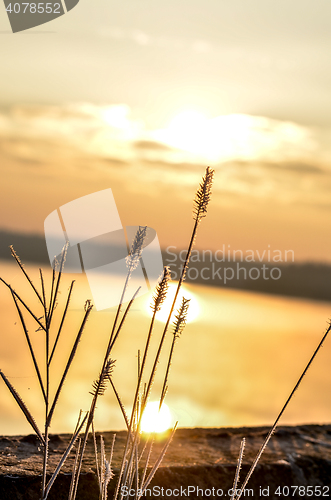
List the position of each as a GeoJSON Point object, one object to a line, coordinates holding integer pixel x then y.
{"type": "Point", "coordinates": [235, 364]}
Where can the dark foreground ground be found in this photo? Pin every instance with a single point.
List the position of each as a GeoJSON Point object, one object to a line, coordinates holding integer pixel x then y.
{"type": "Point", "coordinates": [202, 459]}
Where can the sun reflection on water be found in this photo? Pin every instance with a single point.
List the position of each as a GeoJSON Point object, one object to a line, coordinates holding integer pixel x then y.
{"type": "Point", "coordinates": [155, 420]}
{"type": "Point", "coordinates": [193, 311]}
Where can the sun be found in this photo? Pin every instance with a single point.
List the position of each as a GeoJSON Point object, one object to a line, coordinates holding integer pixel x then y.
{"type": "Point", "coordinates": [185, 130]}
{"type": "Point", "coordinates": [189, 120]}
{"type": "Point", "coordinates": [189, 131]}
{"type": "Point", "coordinates": [215, 138]}
{"type": "Point", "coordinates": [154, 420]}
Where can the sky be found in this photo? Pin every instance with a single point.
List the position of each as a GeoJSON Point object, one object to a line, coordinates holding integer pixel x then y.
{"type": "Point", "coordinates": [141, 96]}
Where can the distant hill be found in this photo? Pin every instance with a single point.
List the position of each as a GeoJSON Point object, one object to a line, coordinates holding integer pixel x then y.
{"type": "Point", "coordinates": [30, 248]}
{"type": "Point", "coordinates": [307, 280]}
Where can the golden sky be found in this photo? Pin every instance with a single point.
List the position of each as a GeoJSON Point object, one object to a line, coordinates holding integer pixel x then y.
{"type": "Point", "coordinates": [142, 97]}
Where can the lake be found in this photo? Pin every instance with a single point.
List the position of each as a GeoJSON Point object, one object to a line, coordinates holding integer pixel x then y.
{"type": "Point", "coordinates": [235, 363]}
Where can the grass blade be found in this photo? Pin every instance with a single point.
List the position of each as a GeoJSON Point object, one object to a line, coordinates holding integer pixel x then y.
{"type": "Point", "coordinates": [18, 260]}
{"type": "Point", "coordinates": [63, 458]}
{"type": "Point", "coordinates": [94, 400]}
{"type": "Point", "coordinates": [158, 462]}
{"type": "Point", "coordinates": [88, 308]}
{"type": "Point", "coordinates": [120, 403]}
{"type": "Point", "coordinates": [53, 300]}
{"type": "Point", "coordinates": [236, 477]}
{"type": "Point", "coordinates": [24, 304]}
{"type": "Point", "coordinates": [148, 458]}
{"type": "Point", "coordinates": [273, 428]}
{"type": "Point", "coordinates": [200, 209]}
{"type": "Point", "coordinates": [23, 407]}
{"type": "Point", "coordinates": [96, 457]}
{"type": "Point", "coordinates": [30, 347]}
{"type": "Point", "coordinates": [62, 321]}
{"type": "Point", "coordinates": [72, 483]}
{"type": "Point", "coordinates": [179, 325]}
{"type": "Point", "coordinates": [114, 338]}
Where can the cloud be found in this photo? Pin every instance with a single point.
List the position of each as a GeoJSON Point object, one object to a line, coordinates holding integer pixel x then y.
{"type": "Point", "coordinates": [298, 168]}
{"type": "Point", "coordinates": [142, 38]}
{"type": "Point", "coordinates": [253, 156]}
{"type": "Point", "coordinates": [178, 167]}
{"type": "Point", "coordinates": [278, 168]}
{"type": "Point", "coordinates": [238, 136]}
{"type": "Point", "coordinates": [151, 145]}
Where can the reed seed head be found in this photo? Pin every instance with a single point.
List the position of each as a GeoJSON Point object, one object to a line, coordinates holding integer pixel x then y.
{"type": "Point", "coordinates": [161, 290]}
{"type": "Point", "coordinates": [203, 195]}
{"type": "Point", "coordinates": [100, 385]}
{"type": "Point", "coordinates": [16, 257]}
{"type": "Point", "coordinates": [88, 306]}
{"type": "Point", "coordinates": [181, 318]}
{"type": "Point", "coordinates": [132, 259]}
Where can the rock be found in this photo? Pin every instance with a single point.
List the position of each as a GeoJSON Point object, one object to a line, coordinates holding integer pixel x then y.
{"type": "Point", "coordinates": [200, 463]}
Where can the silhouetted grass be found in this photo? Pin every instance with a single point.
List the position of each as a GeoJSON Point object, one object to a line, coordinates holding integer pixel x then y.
{"type": "Point", "coordinates": [135, 469]}
{"type": "Point", "coordinates": [133, 456]}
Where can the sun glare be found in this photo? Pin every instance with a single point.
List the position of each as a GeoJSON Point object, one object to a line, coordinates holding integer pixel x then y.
{"type": "Point", "coordinates": [193, 310]}
{"type": "Point", "coordinates": [186, 131]}
{"type": "Point", "coordinates": [222, 137]}
{"type": "Point", "coordinates": [116, 116]}
{"type": "Point", "coordinates": [154, 420]}
{"type": "Point", "coordinates": [189, 120]}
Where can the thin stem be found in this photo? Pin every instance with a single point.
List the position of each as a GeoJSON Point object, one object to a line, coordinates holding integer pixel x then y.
{"type": "Point", "coordinates": [157, 463]}
{"type": "Point", "coordinates": [236, 477]}
{"type": "Point", "coordinates": [72, 483]}
{"type": "Point", "coordinates": [96, 456]}
{"type": "Point", "coordinates": [64, 457]}
{"type": "Point", "coordinates": [272, 430]}
{"type": "Point", "coordinates": [42, 286]}
{"type": "Point", "coordinates": [88, 309]}
{"type": "Point", "coordinates": [132, 261]}
{"type": "Point", "coordinates": [44, 295]}
{"type": "Point", "coordinates": [179, 326]}
{"type": "Point", "coordinates": [16, 257]}
{"type": "Point", "coordinates": [45, 458]}
{"type": "Point", "coordinates": [53, 302]}
{"type": "Point", "coordinates": [164, 388]}
{"type": "Point", "coordinates": [30, 348]}
{"type": "Point", "coordinates": [23, 406]}
{"type": "Point", "coordinates": [111, 344]}
{"type": "Point", "coordinates": [62, 321]}
{"type": "Point", "coordinates": [151, 379]}
{"type": "Point", "coordinates": [200, 208]}
{"type": "Point", "coordinates": [148, 457]}
{"type": "Point", "coordinates": [95, 397]}
{"type": "Point", "coordinates": [24, 304]}
{"type": "Point", "coordinates": [181, 279]}
{"type": "Point", "coordinates": [52, 291]}
{"type": "Point", "coordinates": [129, 435]}
{"type": "Point", "coordinates": [120, 403]}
